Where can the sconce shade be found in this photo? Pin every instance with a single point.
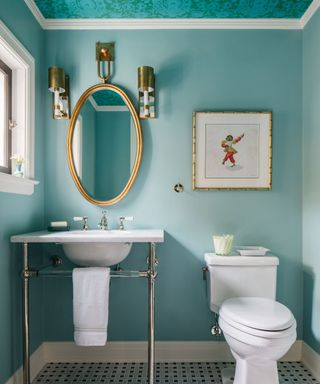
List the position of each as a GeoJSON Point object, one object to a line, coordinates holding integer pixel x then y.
{"type": "Point", "coordinates": [66, 92]}
{"type": "Point", "coordinates": [145, 79]}
{"type": "Point", "coordinates": [146, 84]}
{"type": "Point", "coordinates": [58, 84]}
{"type": "Point", "coordinates": [56, 79]}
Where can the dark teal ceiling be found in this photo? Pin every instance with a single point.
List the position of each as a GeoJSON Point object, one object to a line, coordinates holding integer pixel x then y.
{"type": "Point", "coordinates": [103, 98]}
{"type": "Point", "coordinates": [185, 9]}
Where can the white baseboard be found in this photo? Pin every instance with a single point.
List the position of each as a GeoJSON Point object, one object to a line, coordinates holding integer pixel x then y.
{"type": "Point", "coordinates": [37, 361]}
{"type": "Point", "coordinates": [136, 351]}
{"type": "Point", "coordinates": [294, 353]}
{"type": "Point", "coordinates": [166, 351]}
{"type": "Point", "coordinates": [311, 359]}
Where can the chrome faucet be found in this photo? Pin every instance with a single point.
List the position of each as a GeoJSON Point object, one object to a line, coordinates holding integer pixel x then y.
{"type": "Point", "coordinates": [104, 221]}
{"type": "Point", "coordinates": [85, 226]}
{"type": "Point", "coordinates": [122, 219]}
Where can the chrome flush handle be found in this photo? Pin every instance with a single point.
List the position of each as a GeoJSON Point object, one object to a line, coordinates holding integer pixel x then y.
{"type": "Point", "coordinates": [85, 221]}
{"type": "Point", "coordinates": [122, 219]}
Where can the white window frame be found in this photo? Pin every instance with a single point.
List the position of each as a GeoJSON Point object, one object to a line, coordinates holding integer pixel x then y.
{"type": "Point", "coordinates": [5, 117]}
{"type": "Point", "coordinates": [15, 55]}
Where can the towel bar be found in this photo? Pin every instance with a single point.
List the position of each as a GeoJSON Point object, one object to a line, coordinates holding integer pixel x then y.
{"type": "Point", "coordinates": [67, 273]}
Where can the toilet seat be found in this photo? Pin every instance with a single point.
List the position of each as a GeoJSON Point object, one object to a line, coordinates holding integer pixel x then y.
{"type": "Point", "coordinates": [227, 325]}
{"type": "Point", "coordinates": [257, 338]}
{"type": "Point", "coordinates": [259, 317]}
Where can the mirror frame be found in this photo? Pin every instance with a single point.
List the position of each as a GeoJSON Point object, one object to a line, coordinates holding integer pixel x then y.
{"type": "Point", "coordinates": [83, 98]}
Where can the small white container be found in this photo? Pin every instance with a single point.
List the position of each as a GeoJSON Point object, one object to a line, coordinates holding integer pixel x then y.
{"type": "Point", "coordinates": [252, 251]}
{"type": "Point", "coordinates": [222, 244]}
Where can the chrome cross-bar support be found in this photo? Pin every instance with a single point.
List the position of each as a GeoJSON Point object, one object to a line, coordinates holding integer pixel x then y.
{"type": "Point", "coordinates": [150, 274]}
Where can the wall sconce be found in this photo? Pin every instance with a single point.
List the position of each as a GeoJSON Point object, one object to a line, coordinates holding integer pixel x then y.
{"type": "Point", "coordinates": [59, 85]}
{"type": "Point", "coordinates": [146, 92]}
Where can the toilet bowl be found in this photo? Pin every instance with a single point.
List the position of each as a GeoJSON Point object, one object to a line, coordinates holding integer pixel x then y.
{"type": "Point", "coordinates": [259, 331]}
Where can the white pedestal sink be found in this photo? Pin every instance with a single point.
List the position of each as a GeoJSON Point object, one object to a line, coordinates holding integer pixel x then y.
{"type": "Point", "coordinates": [92, 247]}
{"type": "Point", "coordinates": [95, 247]}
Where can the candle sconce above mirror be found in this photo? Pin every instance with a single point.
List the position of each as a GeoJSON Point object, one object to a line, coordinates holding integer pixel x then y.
{"type": "Point", "coordinates": [104, 144]}
{"type": "Point", "coordinates": [104, 53]}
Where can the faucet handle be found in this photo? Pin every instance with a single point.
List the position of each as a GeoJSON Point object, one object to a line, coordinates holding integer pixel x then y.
{"type": "Point", "coordinates": [84, 219]}
{"type": "Point", "coordinates": [122, 219]}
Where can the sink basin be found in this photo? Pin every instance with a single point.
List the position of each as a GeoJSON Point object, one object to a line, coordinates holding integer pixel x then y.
{"type": "Point", "coordinates": [96, 254]}
{"type": "Point", "coordinates": [91, 251]}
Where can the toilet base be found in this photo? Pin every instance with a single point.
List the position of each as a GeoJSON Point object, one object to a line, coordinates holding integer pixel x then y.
{"type": "Point", "coordinates": [227, 375]}
{"type": "Point", "coordinates": [255, 370]}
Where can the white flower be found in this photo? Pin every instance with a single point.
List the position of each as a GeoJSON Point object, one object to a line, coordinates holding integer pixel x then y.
{"type": "Point", "coordinates": [18, 158]}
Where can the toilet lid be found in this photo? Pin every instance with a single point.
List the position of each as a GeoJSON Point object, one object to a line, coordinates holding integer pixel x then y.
{"type": "Point", "coordinates": [258, 313]}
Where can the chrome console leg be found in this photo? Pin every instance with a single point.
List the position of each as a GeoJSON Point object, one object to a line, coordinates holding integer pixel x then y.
{"type": "Point", "coordinates": [151, 281]}
{"type": "Point", "coordinates": [25, 308]}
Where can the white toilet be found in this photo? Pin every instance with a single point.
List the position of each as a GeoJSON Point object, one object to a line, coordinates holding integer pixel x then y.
{"type": "Point", "coordinates": [258, 329]}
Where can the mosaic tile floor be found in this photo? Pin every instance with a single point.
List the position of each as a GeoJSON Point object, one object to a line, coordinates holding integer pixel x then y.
{"type": "Point", "coordinates": [166, 373]}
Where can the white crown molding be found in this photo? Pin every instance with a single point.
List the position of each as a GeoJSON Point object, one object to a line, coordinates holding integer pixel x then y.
{"type": "Point", "coordinates": [36, 13]}
{"type": "Point", "coordinates": [172, 24]}
{"type": "Point", "coordinates": [112, 108]}
{"type": "Point", "coordinates": [313, 7]}
{"type": "Point", "coordinates": [107, 108]}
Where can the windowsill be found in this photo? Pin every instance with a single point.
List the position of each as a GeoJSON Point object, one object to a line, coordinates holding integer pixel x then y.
{"type": "Point", "coordinates": [19, 185]}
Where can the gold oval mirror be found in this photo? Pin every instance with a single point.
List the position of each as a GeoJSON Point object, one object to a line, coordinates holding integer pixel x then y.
{"type": "Point", "coordinates": [104, 144]}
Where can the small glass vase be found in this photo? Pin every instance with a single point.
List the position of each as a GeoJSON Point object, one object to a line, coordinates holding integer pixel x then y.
{"type": "Point", "coordinates": [18, 172]}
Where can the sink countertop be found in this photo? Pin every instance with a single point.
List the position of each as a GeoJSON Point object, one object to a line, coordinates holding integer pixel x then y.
{"type": "Point", "coordinates": [90, 236]}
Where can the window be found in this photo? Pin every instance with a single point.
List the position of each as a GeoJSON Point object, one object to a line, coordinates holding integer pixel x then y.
{"type": "Point", "coordinates": [5, 117]}
{"type": "Point", "coordinates": [17, 88]}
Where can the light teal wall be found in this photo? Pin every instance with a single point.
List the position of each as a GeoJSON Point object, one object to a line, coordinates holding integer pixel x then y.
{"type": "Point", "coordinates": [311, 182]}
{"type": "Point", "coordinates": [195, 70]}
{"type": "Point", "coordinates": [20, 213]}
{"type": "Point", "coordinates": [112, 153]}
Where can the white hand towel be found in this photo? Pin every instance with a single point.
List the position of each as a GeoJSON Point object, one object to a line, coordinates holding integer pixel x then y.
{"type": "Point", "coordinates": [90, 305]}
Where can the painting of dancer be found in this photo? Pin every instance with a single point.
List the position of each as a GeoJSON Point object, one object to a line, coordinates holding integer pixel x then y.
{"type": "Point", "coordinates": [232, 150]}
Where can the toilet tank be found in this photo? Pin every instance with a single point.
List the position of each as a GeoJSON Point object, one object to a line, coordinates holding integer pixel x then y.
{"type": "Point", "coordinates": [240, 276]}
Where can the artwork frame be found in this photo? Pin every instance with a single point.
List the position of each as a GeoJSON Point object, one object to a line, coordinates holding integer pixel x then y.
{"type": "Point", "coordinates": [232, 151]}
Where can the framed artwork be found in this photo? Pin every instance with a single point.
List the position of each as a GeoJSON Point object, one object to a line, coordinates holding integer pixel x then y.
{"type": "Point", "coordinates": [232, 150]}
